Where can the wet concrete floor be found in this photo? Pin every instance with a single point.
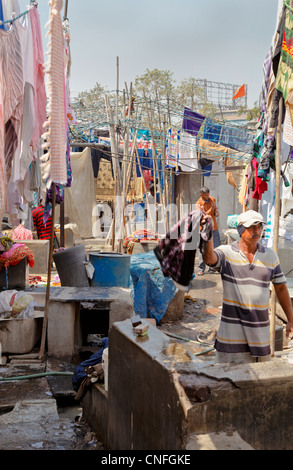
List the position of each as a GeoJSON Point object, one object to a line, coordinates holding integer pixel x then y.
{"type": "Point", "coordinates": [41, 413]}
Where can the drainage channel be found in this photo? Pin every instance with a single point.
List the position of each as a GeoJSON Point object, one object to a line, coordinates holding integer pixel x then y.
{"type": "Point", "coordinates": [68, 407]}
{"type": "Point", "coordinates": [85, 437]}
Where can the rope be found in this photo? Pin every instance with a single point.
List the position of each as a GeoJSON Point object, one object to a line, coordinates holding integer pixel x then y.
{"type": "Point", "coordinates": [14, 18]}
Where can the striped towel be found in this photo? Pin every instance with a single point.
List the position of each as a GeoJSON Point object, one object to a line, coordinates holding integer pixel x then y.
{"type": "Point", "coordinates": [55, 167]}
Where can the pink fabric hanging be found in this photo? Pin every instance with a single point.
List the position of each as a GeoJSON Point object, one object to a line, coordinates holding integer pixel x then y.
{"type": "Point", "coordinates": [11, 103]}
{"type": "Point", "coordinates": [55, 168]}
{"type": "Point", "coordinates": [2, 161]}
{"type": "Point", "coordinates": [40, 98]}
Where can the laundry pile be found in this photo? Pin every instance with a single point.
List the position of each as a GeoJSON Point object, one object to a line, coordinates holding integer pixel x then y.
{"type": "Point", "coordinates": [11, 253]}
{"type": "Point", "coordinates": [16, 304]}
{"type": "Point", "coordinates": [138, 236]}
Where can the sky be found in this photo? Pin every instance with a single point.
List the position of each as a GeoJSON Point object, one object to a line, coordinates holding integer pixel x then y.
{"type": "Point", "coordinates": [218, 40]}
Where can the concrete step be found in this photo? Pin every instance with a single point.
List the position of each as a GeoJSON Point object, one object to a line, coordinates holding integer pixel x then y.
{"type": "Point", "coordinates": [217, 441]}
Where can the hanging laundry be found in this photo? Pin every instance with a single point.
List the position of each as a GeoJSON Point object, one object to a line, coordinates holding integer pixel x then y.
{"type": "Point", "coordinates": [142, 134]}
{"type": "Point", "coordinates": [260, 185]}
{"type": "Point", "coordinates": [236, 139]}
{"type": "Point", "coordinates": [234, 175]}
{"type": "Point", "coordinates": [97, 155]}
{"type": "Point", "coordinates": [267, 156]}
{"type": "Point", "coordinates": [28, 119]}
{"type": "Point", "coordinates": [288, 128]}
{"type": "Point", "coordinates": [146, 160]}
{"type": "Point", "coordinates": [18, 190]}
{"type": "Point", "coordinates": [192, 121]}
{"type": "Point", "coordinates": [187, 159]}
{"type": "Point", "coordinates": [80, 204]}
{"type": "Point", "coordinates": [40, 97]}
{"type": "Point", "coordinates": [208, 152]}
{"type": "Point", "coordinates": [176, 252]}
{"type": "Point", "coordinates": [9, 8]}
{"type": "Point", "coordinates": [269, 231]}
{"type": "Point", "coordinates": [2, 161]}
{"type": "Point", "coordinates": [54, 161]}
{"type": "Point", "coordinates": [2, 26]}
{"type": "Point", "coordinates": [11, 102]}
{"type": "Point", "coordinates": [71, 118]}
{"type": "Point", "coordinates": [284, 78]}
{"type": "Point", "coordinates": [172, 149]}
{"type": "Point", "coordinates": [243, 189]}
{"type": "Point", "coordinates": [211, 130]}
{"type": "Point", "coordinates": [13, 86]}
{"type": "Point", "coordinates": [287, 195]}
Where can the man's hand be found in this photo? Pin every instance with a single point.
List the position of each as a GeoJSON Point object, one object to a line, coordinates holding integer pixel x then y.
{"type": "Point", "coordinates": [289, 329]}
{"type": "Point", "coordinates": [204, 218]}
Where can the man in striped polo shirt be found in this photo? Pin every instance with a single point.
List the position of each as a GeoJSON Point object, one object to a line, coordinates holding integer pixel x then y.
{"type": "Point", "coordinates": [43, 231]}
{"type": "Point", "coordinates": [247, 268]}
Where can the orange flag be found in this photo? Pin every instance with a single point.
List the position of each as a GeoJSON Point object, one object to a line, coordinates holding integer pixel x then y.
{"type": "Point", "coordinates": [240, 92]}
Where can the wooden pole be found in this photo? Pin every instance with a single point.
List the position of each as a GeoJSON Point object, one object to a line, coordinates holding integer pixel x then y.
{"type": "Point", "coordinates": [163, 201]}
{"type": "Point", "coordinates": [115, 163]}
{"type": "Point", "coordinates": [150, 124]}
{"type": "Point", "coordinates": [62, 214]}
{"type": "Point", "coordinates": [65, 9]}
{"type": "Point", "coordinates": [277, 216]}
{"type": "Point", "coordinates": [45, 319]}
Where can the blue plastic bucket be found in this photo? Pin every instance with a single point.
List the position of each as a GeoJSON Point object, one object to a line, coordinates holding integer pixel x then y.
{"type": "Point", "coordinates": [111, 269]}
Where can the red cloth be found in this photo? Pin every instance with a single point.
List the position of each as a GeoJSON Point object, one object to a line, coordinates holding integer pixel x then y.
{"type": "Point", "coordinates": [17, 252]}
{"type": "Point", "coordinates": [260, 185]}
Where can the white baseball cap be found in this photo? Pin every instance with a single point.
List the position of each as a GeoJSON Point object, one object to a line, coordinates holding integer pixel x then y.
{"type": "Point", "coordinates": [249, 218]}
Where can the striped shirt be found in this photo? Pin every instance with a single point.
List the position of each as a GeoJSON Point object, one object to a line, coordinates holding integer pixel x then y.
{"type": "Point", "coordinates": [44, 232]}
{"type": "Point", "coordinates": [245, 325]}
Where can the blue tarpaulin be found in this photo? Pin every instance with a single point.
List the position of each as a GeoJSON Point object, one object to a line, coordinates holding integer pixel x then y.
{"type": "Point", "coordinates": [152, 291]}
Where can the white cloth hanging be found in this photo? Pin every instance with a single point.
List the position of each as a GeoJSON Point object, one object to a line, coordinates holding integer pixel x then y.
{"type": "Point", "coordinates": [187, 159]}
{"type": "Point", "coordinates": [288, 128]}
{"type": "Point", "coordinates": [286, 192]}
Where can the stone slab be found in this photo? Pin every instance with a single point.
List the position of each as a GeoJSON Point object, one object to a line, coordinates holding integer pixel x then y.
{"type": "Point", "coordinates": [89, 294]}
{"type": "Point", "coordinates": [35, 425]}
{"type": "Point", "coordinates": [217, 441]}
{"type": "Point", "coordinates": [40, 249]}
{"type": "Point", "coordinates": [18, 276]}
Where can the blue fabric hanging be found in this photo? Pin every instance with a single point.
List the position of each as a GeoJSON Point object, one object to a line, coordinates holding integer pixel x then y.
{"type": "Point", "coordinates": [1, 15]}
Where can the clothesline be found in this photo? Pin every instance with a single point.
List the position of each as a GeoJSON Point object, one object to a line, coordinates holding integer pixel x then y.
{"type": "Point", "coordinates": [14, 18]}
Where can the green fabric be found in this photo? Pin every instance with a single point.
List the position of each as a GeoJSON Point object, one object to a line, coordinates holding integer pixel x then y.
{"type": "Point", "coordinates": [285, 69]}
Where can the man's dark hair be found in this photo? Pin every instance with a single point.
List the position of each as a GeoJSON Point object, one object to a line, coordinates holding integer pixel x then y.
{"type": "Point", "coordinates": [204, 189]}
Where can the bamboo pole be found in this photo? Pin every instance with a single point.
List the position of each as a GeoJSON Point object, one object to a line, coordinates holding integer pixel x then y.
{"type": "Point", "coordinates": [163, 160]}
{"type": "Point", "coordinates": [125, 168]}
{"type": "Point", "coordinates": [65, 9]}
{"type": "Point", "coordinates": [276, 227]}
{"type": "Point", "coordinates": [115, 163]}
{"type": "Point", "coordinates": [145, 189]}
{"type": "Point", "coordinates": [150, 124]}
{"type": "Point", "coordinates": [45, 319]}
